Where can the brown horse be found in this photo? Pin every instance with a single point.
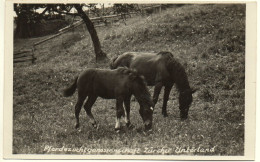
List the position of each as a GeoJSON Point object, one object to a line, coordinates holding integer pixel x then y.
{"type": "Point", "coordinates": [159, 69]}
{"type": "Point", "coordinates": [117, 84]}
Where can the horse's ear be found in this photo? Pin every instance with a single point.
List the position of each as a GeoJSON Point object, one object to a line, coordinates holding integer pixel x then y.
{"type": "Point", "coordinates": [193, 90]}
{"type": "Point", "coordinates": [111, 65]}
{"type": "Point", "coordinates": [132, 76]}
{"type": "Point", "coordinates": [112, 62]}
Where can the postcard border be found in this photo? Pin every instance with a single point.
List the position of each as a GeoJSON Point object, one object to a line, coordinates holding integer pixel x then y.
{"type": "Point", "coordinates": [250, 93]}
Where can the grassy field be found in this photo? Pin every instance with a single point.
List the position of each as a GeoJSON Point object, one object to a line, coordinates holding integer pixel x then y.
{"type": "Point", "coordinates": [209, 40]}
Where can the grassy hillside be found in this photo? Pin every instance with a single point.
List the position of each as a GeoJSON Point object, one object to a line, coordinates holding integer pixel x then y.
{"type": "Point", "coordinates": [209, 40]}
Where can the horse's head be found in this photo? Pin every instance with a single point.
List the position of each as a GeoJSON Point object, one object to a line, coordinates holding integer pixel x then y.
{"type": "Point", "coordinates": [112, 63]}
{"type": "Point", "coordinates": [147, 116]}
{"type": "Point", "coordinates": [140, 91]}
{"type": "Point", "coordinates": [185, 100]}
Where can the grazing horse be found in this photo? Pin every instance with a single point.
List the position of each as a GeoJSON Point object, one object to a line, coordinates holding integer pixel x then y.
{"type": "Point", "coordinates": [159, 69]}
{"type": "Point", "coordinates": [117, 84]}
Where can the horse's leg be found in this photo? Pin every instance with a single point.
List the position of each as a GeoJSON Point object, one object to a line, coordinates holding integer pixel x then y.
{"type": "Point", "coordinates": [167, 91]}
{"type": "Point", "coordinates": [81, 98]}
{"type": "Point", "coordinates": [156, 93]}
{"type": "Point", "coordinates": [119, 113]}
{"type": "Point", "coordinates": [127, 111]}
{"type": "Point", "coordinates": [88, 105]}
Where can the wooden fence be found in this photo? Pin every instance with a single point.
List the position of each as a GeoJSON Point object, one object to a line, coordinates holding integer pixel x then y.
{"type": "Point", "coordinates": [151, 9]}
{"type": "Point", "coordinates": [28, 55]}
{"type": "Point", "coordinates": [80, 22]}
{"type": "Point", "coordinates": [24, 56]}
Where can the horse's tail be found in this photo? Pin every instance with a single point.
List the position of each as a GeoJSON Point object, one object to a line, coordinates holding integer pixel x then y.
{"type": "Point", "coordinates": [112, 63]}
{"type": "Point", "coordinates": [71, 89]}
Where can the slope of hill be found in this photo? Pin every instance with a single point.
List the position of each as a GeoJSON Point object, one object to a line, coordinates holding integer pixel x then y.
{"type": "Point", "coordinates": [209, 40]}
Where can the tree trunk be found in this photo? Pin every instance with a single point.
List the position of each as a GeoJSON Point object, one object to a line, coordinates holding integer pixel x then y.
{"type": "Point", "coordinates": [100, 55]}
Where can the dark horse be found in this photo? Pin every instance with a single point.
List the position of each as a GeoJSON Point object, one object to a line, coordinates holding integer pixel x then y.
{"type": "Point", "coordinates": [117, 84]}
{"type": "Point", "coordinates": [159, 69]}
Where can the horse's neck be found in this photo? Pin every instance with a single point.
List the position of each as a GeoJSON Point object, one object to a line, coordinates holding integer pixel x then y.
{"type": "Point", "coordinates": [141, 98]}
{"type": "Point", "coordinates": [179, 76]}
{"type": "Point", "coordinates": [183, 85]}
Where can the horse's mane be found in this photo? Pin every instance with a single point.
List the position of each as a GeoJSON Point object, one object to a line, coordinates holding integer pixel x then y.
{"type": "Point", "coordinates": [131, 72]}
{"type": "Point", "coordinates": [144, 96]}
{"type": "Point", "coordinates": [165, 53]}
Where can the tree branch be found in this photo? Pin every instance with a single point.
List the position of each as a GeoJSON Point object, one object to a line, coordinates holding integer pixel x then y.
{"type": "Point", "coordinates": [66, 13]}
{"type": "Point", "coordinates": [46, 9]}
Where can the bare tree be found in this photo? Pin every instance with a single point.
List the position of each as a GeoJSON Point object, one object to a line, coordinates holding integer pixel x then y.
{"type": "Point", "coordinates": [26, 15]}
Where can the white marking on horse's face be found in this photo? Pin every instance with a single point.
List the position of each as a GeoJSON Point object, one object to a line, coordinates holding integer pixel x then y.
{"type": "Point", "coordinates": [151, 108]}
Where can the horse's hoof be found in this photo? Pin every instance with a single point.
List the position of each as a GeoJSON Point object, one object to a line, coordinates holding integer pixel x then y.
{"type": "Point", "coordinates": [164, 114]}
{"type": "Point", "coordinates": [77, 126]}
{"type": "Point", "coordinates": [148, 130]}
{"type": "Point", "coordinates": [95, 126]}
{"type": "Point", "coordinates": [78, 130]}
{"type": "Point", "coordinates": [130, 126]}
{"type": "Point", "coordinates": [117, 130]}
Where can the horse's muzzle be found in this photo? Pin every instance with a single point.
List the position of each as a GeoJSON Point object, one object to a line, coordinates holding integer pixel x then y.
{"type": "Point", "coordinates": [148, 126]}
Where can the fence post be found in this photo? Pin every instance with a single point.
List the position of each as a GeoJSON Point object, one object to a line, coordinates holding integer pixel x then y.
{"type": "Point", "coordinates": [33, 57]}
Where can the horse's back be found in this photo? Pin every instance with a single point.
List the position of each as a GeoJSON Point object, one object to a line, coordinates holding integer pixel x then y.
{"type": "Point", "coordinates": [127, 58]}
{"type": "Point", "coordinates": [151, 65]}
{"type": "Point", "coordinates": [123, 60]}
{"type": "Point", "coordinates": [86, 76]}
{"type": "Point", "coordinates": [102, 82]}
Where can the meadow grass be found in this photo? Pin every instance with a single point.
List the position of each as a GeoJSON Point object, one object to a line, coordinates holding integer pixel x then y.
{"type": "Point", "coordinates": [209, 40]}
